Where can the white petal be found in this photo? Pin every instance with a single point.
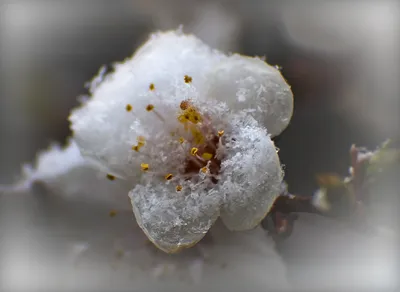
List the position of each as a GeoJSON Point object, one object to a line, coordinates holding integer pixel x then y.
{"type": "Point", "coordinates": [105, 131]}
{"type": "Point", "coordinates": [174, 220]}
{"type": "Point", "coordinates": [66, 172]}
{"type": "Point", "coordinates": [251, 176]}
{"type": "Point", "coordinates": [252, 85]}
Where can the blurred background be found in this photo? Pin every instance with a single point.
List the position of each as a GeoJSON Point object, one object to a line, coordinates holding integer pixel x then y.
{"type": "Point", "coordinates": [340, 57]}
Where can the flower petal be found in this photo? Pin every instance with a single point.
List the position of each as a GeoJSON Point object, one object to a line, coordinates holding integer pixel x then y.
{"type": "Point", "coordinates": [66, 172]}
{"type": "Point", "coordinates": [250, 84]}
{"type": "Point", "coordinates": [109, 124]}
{"type": "Point", "coordinates": [174, 220]}
{"type": "Point", "coordinates": [251, 176]}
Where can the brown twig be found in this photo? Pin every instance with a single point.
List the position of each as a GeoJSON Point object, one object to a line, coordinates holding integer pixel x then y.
{"type": "Point", "coordinates": [280, 220]}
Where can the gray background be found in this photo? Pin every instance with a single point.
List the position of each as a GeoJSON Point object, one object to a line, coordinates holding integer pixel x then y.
{"type": "Point", "coordinates": [341, 58]}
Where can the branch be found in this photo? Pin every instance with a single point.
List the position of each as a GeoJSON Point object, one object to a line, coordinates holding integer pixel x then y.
{"type": "Point", "coordinates": [339, 198]}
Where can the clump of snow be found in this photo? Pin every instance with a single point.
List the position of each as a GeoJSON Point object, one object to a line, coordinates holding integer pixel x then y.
{"type": "Point", "coordinates": [251, 85]}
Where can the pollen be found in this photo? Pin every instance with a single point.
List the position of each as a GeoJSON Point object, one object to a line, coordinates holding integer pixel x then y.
{"type": "Point", "coordinates": [128, 107]}
{"type": "Point", "coordinates": [144, 166]}
{"type": "Point", "coordinates": [187, 79]}
{"type": "Point", "coordinates": [149, 107]}
{"type": "Point", "coordinates": [194, 151]}
{"type": "Point", "coordinates": [169, 176]}
{"type": "Point", "coordinates": [152, 87]}
{"type": "Point", "coordinates": [207, 156]}
{"type": "Point", "coordinates": [179, 188]}
{"type": "Point", "coordinates": [110, 176]}
{"type": "Point", "coordinates": [221, 133]}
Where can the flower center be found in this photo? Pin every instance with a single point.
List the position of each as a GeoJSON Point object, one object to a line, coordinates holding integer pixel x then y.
{"type": "Point", "coordinates": [205, 160]}
{"type": "Point", "coordinates": [205, 141]}
{"type": "Point", "coordinates": [201, 143]}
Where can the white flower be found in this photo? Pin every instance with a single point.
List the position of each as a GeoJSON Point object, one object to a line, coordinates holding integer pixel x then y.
{"type": "Point", "coordinates": [188, 126]}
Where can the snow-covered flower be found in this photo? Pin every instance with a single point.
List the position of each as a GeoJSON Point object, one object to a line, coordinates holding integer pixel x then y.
{"type": "Point", "coordinates": [190, 128]}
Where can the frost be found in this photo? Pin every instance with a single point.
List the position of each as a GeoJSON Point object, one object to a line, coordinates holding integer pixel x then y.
{"type": "Point", "coordinates": [102, 128]}
{"type": "Point", "coordinates": [172, 220]}
{"type": "Point", "coordinates": [251, 176]}
{"type": "Point", "coordinates": [190, 128]}
{"type": "Point", "coordinates": [257, 86]}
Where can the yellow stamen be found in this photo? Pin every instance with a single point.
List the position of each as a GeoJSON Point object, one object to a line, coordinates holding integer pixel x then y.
{"type": "Point", "coordinates": [194, 151]}
{"type": "Point", "coordinates": [110, 177]}
{"type": "Point", "coordinates": [150, 108]}
{"type": "Point", "coordinates": [221, 133]}
{"type": "Point", "coordinates": [152, 87]}
{"type": "Point", "coordinates": [187, 79]}
{"type": "Point", "coordinates": [144, 166]}
{"type": "Point", "coordinates": [178, 188]}
{"type": "Point", "coordinates": [207, 156]}
{"type": "Point", "coordinates": [128, 107]}
{"type": "Point", "coordinates": [169, 176]}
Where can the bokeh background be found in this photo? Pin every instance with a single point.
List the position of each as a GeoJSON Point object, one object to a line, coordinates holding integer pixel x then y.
{"type": "Point", "coordinates": [340, 57]}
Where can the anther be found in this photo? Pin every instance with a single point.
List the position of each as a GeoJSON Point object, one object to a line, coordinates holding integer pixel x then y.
{"type": "Point", "coordinates": [149, 107]}
{"type": "Point", "coordinates": [169, 176]}
{"type": "Point", "coordinates": [178, 188]}
{"type": "Point", "coordinates": [152, 87]}
{"type": "Point", "coordinates": [181, 140]}
{"type": "Point", "coordinates": [194, 151]}
{"type": "Point", "coordinates": [184, 105]}
{"type": "Point", "coordinates": [204, 169]}
{"type": "Point", "coordinates": [221, 133]}
{"type": "Point", "coordinates": [187, 79]}
{"type": "Point", "coordinates": [128, 107]}
{"type": "Point", "coordinates": [144, 166]}
{"type": "Point", "coordinates": [110, 177]}
{"type": "Point", "coordinates": [207, 156]}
